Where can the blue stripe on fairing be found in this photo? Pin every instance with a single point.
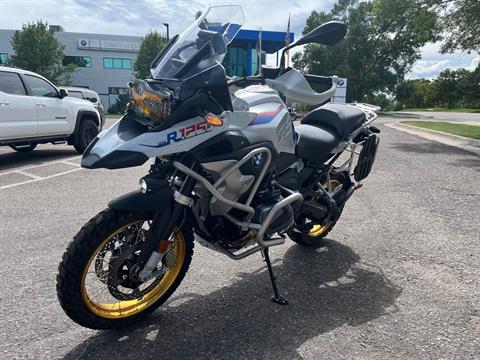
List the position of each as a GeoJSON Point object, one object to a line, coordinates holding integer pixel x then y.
{"type": "Point", "coordinates": [159, 145]}
{"type": "Point", "coordinates": [265, 117]}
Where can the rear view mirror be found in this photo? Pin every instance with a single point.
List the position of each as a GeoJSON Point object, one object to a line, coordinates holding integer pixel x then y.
{"type": "Point", "coordinates": [93, 100]}
{"type": "Point", "coordinates": [63, 93]}
{"type": "Point", "coordinates": [329, 33]}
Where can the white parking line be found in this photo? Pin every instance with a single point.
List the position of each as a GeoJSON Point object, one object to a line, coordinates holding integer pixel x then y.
{"type": "Point", "coordinates": [33, 176]}
{"type": "Point", "coordinates": [43, 164]}
{"type": "Point", "coordinates": [70, 163]}
{"type": "Point", "coordinates": [39, 178]}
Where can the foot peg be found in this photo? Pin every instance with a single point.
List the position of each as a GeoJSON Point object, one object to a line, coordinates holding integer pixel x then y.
{"type": "Point", "coordinates": [276, 298]}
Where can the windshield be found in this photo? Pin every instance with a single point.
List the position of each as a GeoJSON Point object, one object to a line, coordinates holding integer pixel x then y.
{"type": "Point", "coordinates": [202, 45]}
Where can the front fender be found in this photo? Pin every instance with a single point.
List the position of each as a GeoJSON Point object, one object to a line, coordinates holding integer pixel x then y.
{"type": "Point", "coordinates": [154, 200]}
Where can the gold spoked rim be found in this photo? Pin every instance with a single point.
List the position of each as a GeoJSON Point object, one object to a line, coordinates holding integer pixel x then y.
{"type": "Point", "coordinates": [94, 288]}
{"type": "Point", "coordinates": [317, 229]}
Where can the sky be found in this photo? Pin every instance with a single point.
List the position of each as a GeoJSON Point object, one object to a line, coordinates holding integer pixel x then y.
{"type": "Point", "coordinates": [136, 17]}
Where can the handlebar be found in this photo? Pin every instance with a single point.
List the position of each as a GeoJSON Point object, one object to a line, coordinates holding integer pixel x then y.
{"type": "Point", "coordinates": [293, 84]}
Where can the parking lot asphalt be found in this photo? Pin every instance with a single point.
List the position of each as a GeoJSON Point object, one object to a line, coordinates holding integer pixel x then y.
{"type": "Point", "coordinates": [398, 279]}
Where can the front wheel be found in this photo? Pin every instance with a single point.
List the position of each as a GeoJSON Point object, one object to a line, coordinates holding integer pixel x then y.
{"type": "Point", "coordinates": [95, 285]}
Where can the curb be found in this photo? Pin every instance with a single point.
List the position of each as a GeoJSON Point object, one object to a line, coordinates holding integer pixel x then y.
{"type": "Point", "coordinates": [470, 145]}
{"type": "Point", "coordinates": [409, 115]}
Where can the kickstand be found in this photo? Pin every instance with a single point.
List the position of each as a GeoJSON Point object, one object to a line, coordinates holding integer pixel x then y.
{"type": "Point", "coordinates": [276, 298]}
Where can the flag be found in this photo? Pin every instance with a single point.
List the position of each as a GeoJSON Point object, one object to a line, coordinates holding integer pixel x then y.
{"type": "Point", "coordinates": [287, 36]}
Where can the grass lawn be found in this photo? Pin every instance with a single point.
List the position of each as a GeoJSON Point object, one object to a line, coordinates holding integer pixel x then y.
{"type": "Point", "coordinates": [470, 131]}
{"type": "Point", "coordinates": [466, 110]}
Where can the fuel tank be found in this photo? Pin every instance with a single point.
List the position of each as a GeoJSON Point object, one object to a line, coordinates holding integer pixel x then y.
{"type": "Point", "coordinates": [272, 120]}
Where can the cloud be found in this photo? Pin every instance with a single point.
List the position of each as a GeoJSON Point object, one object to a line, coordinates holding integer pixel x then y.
{"type": "Point", "coordinates": [433, 62]}
{"type": "Point", "coordinates": [128, 17]}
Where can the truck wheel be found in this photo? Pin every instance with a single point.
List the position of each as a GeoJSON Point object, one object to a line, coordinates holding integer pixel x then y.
{"type": "Point", "coordinates": [24, 148]}
{"type": "Point", "coordinates": [86, 133]}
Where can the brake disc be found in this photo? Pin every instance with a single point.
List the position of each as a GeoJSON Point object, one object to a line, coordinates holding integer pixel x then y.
{"type": "Point", "coordinates": [121, 283]}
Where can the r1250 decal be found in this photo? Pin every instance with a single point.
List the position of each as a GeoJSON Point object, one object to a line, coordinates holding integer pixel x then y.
{"type": "Point", "coordinates": [181, 134]}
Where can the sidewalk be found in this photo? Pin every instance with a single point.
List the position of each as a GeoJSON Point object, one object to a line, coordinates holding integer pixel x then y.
{"type": "Point", "coordinates": [470, 145]}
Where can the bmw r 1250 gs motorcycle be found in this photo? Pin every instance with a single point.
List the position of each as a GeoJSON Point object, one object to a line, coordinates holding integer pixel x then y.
{"type": "Point", "coordinates": [230, 167]}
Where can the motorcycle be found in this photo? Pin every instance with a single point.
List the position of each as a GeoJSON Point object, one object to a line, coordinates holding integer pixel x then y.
{"type": "Point", "coordinates": [231, 168]}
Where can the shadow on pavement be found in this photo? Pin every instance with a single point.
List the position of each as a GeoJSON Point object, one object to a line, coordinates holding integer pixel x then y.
{"type": "Point", "coordinates": [14, 159]}
{"type": "Point", "coordinates": [327, 287]}
{"type": "Point", "coordinates": [473, 160]}
{"type": "Point", "coordinates": [429, 148]}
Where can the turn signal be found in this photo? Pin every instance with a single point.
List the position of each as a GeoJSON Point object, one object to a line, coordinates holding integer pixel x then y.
{"type": "Point", "coordinates": [213, 120]}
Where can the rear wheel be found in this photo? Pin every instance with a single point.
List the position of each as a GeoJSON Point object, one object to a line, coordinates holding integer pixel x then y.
{"type": "Point", "coordinates": [316, 233]}
{"type": "Point", "coordinates": [95, 285]}
{"type": "Point", "coordinates": [87, 131]}
{"type": "Point", "coordinates": [24, 148]}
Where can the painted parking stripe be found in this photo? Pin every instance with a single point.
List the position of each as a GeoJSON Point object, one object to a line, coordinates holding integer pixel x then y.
{"type": "Point", "coordinates": [33, 176]}
{"type": "Point", "coordinates": [43, 164]}
{"type": "Point", "coordinates": [39, 179]}
{"type": "Point", "coordinates": [70, 163]}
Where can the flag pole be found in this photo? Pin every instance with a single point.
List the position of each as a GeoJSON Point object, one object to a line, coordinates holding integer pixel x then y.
{"type": "Point", "coordinates": [287, 41]}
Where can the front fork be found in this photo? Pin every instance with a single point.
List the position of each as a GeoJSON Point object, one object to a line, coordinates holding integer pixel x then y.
{"type": "Point", "coordinates": [157, 239]}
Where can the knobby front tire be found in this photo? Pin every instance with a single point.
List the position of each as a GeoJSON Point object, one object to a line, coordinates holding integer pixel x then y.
{"type": "Point", "coordinates": [97, 240]}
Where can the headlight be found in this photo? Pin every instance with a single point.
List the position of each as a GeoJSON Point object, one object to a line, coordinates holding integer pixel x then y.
{"type": "Point", "coordinates": [151, 107]}
{"type": "Point", "coordinates": [143, 186]}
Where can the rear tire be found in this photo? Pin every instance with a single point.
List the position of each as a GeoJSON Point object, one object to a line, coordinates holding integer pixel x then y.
{"type": "Point", "coordinates": [307, 240]}
{"type": "Point", "coordinates": [86, 250]}
{"type": "Point", "coordinates": [86, 132]}
{"type": "Point", "coordinates": [317, 234]}
{"type": "Point", "coordinates": [24, 149]}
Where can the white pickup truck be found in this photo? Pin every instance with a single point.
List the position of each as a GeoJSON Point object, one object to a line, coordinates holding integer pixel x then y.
{"type": "Point", "coordinates": [33, 111]}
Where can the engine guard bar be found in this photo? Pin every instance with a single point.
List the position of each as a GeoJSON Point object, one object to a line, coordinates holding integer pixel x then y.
{"type": "Point", "coordinates": [213, 188]}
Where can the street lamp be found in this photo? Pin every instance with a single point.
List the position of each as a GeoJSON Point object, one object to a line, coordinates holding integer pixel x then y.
{"type": "Point", "coordinates": [168, 32]}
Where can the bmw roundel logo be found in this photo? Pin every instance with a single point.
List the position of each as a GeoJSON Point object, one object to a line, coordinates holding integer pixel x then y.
{"type": "Point", "coordinates": [83, 42]}
{"type": "Point", "coordinates": [340, 82]}
{"type": "Point", "coordinates": [257, 160]}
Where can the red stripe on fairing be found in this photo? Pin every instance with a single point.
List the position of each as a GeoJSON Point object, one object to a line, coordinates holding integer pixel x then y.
{"type": "Point", "coordinates": [266, 117]}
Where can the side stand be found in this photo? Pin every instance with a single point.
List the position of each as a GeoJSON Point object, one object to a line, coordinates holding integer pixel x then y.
{"type": "Point", "coordinates": [276, 297]}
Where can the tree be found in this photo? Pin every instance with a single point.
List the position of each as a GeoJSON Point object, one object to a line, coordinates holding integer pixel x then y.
{"type": "Point", "coordinates": [37, 50]}
{"type": "Point", "coordinates": [149, 49]}
{"type": "Point", "coordinates": [381, 45]}
{"type": "Point", "coordinates": [460, 20]}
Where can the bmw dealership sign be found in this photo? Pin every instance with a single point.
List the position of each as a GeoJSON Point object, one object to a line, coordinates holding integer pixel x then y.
{"type": "Point", "coordinates": [340, 95]}
{"type": "Point", "coordinates": [94, 44]}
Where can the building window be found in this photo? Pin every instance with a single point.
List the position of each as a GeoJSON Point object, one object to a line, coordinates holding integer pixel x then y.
{"type": "Point", "coordinates": [236, 61]}
{"type": "Point", "coordinates": [80, 61]}
{"type": "Point", "coordinates": [3, 59]}
{"type": "Point", "coordinates": [117, 63]}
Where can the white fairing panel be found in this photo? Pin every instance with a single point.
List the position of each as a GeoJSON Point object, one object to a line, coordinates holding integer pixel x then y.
{"type": "Point", "coordinates": [179, 138]}
{"type": "Point", "coordinates": [296, 88]}
{"type": "Point", "coordinates": [267, 119]}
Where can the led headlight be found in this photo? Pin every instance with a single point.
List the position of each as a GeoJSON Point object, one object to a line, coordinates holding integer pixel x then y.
{"type": "Point", "coordinates": [151, 107]}
{"type": "Point", "coordinates": [143, 186]}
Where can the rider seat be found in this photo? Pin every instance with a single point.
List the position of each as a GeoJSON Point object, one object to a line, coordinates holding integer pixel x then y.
{"type": "Point", "coordinates": [314, 143]}
{"type": "Point", "coordinates": [340, 119]}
